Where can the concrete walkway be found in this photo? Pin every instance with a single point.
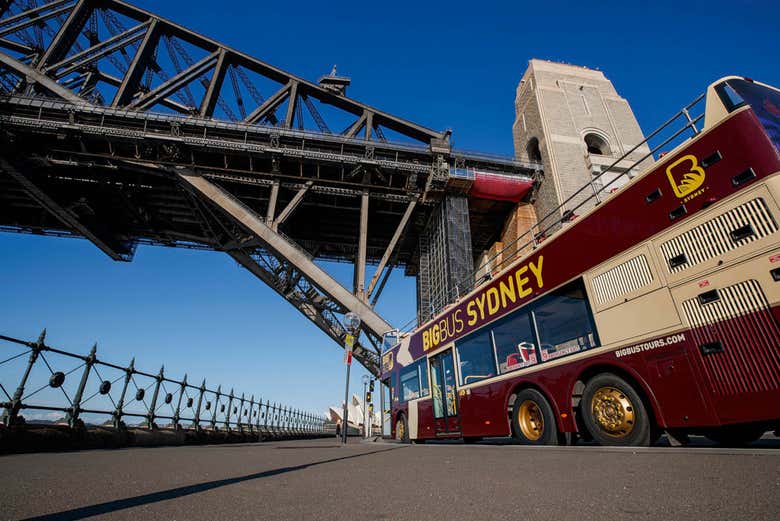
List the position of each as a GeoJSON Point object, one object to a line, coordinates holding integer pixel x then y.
{"type": "Point", "coordinates": [321, 480]}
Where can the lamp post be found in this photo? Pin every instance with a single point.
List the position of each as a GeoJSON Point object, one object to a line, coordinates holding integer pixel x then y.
{"type": "Point", "coordinates": [366, 423]}
{"type": "Point", "coordinates": [352, 322]}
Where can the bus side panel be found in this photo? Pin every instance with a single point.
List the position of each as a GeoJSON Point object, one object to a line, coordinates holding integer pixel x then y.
{"type": "Point", "coordinates": [742, 382]}
{"type": "Point", "coordinates": [425, 423]}
{"type": "Point", "coordinates": [483, 410]}
{"type": "Point", "coordinates": [668, 371]}
{"type": "Point", "coordinates": [675, 390]}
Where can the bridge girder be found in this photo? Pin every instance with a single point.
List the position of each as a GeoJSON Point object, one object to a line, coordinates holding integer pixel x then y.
{"type": "Point", "coordinates": [109, 106]}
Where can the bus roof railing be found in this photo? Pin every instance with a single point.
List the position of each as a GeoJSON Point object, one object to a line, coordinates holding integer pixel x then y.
{"type": "Point", "coordinates": [565, 212]}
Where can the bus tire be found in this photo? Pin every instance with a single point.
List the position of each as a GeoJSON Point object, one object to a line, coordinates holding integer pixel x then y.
{"type": "Point", "coordinates": [614, 413]}
{"type": "Point", "coordinates": [533, 420]}
{"type": "Point", "coordinates": [402, 429]}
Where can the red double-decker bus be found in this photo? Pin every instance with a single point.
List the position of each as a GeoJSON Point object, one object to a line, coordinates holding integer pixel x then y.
{"type": "Point", "coordinates": [656, 310]}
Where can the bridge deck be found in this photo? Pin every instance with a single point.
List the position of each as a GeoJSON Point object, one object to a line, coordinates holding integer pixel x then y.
{"type": "Point", "coordinates": [321, 480]}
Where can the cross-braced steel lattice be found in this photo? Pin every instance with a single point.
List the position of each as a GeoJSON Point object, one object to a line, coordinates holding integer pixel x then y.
{"type": "Point", "coordinates": [124, 128]}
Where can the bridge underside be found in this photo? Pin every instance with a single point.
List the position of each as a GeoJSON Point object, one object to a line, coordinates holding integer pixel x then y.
{"type": "Point", "coordinates": [124, 128]}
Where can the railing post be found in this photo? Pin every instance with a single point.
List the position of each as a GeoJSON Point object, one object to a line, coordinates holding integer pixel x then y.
{"type": "Point", "coordinates": [296, 430]}
{"type": "Point", "coordinates": [196, 420]}
{"type": "Point", "coordinates": [153, 404]}
{"type": "Point", "coordinates": [216, 407]}
{"type": "Point", "coordinates": [295, 421]}
{"type": "Point", "coordinates": [690, 121]}
{"type": "Point", "coordinates": [241, 414]}
{"type": "Point", "coordinates": [11, 413]}
{"type": "Point", "coordinates": [251, 411]}
{"type": "Point", "coordinates": [259, 414]}
{"type": "Point", "coordinates": [75, 407]}
{"type": "Point", "coordinates": [177, 414]}
{"type": "Point", "coordinates": [229, 410]}
{"type": "Point", "coordinates": [121, 403]}
{"type": "Point", "coordinates": [595, 192]}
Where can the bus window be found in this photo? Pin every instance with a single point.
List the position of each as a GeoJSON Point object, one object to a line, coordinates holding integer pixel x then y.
{"type": "Point", "coordinates": [564, 322]}
{"type": "Point", "coordinates": [422, 369]}
{"type": "Point", "coordinates": [390, 340]}
{"type": "Point", "coordinates": [414, 381]}
{"type": "Point", "coordinates": [410, 383]}
{"type": "Point", "coordinates": [764, 101]}
{"type": "Point", "coordinates": [476, 357]}
{"type": "Point", "coordinates": [515, 342]}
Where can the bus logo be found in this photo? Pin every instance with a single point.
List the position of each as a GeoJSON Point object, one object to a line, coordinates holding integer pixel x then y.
{"type": "Point", "coordinates": [387, 362]}
{"type": "Point", "coordinates": [685, 175]}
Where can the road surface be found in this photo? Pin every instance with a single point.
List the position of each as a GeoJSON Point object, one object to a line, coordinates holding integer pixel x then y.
{"type": "Point", "coordinates": [320, 480]}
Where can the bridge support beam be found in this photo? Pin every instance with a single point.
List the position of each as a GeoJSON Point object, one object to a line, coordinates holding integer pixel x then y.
{"type": "Point", "coordinates": [360, 258]}
{"type": "Point", "coordinates": [446, 260]}
{"type": "Point", "coordinates": [391, 247]}
{"type": "Point", "coordinates": [64, 216]}
{"type": "Point", "coordinates": [291, 206]}
{"type": "Point", "coordinates": [282, 248]}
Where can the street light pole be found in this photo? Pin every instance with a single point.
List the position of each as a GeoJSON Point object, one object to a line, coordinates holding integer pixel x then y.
{"type": "Point", "coordinates": [353, 326]}
{"type": "Point", "coordinates": [345, 415]}
{"type": "Point", "coordinates": [366, 424]}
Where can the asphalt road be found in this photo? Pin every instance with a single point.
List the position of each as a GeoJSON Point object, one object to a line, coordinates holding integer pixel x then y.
{"type": "Point", "coordinates": [321, 480]}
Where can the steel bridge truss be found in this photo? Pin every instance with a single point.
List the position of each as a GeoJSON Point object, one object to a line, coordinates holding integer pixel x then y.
{"type": "Point", "coordinates": [114, 54]}
{"type": "Point", "coordinates": [124, 128]}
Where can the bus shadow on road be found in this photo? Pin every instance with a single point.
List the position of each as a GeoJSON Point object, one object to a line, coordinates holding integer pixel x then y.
{"type": "Point", "coordinates": [174, 493]}
{"type": "Point", "coordinates": [769, 441]}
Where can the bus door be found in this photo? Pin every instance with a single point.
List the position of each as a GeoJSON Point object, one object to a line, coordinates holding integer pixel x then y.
{"type": "Point", "coordinates": [445, 394]}
{"type": "Point", "coordinates": [386, 405]}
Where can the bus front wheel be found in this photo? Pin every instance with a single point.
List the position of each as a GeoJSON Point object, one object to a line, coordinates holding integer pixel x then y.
{"type": "Point", "coordinates": [533, 420]}
{"type": "Point", "coordinates": [614, 413]}
{"type": "Point", "coordinates": [401, 429]}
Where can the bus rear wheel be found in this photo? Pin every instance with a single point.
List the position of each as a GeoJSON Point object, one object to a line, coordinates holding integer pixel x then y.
{"type": "Point", "coordinates": [401, 429]}
{"type": "Point", "coordinates": [533, 420]}
{"type": "Point", "coordinates": [614, 413]}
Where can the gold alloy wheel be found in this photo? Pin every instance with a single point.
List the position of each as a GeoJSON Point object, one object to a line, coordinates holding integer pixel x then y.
{"type": "Point", "coordinates": [400, 430]}
{"type": "Point", "coordinates": [530, 420]}
{"type": "Point", "coordinates": [613, 412]}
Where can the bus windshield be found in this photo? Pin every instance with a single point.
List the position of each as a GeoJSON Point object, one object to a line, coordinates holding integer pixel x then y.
{"type": "Point", "coordinates": [764, 101]}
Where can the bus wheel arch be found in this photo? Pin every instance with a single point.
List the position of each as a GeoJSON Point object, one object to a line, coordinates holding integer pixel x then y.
{"type": "Point", "coordinates": [401, 428]}
{"type": "Point", "coordinates": [648, 399]}
{"type": "Point", "coordinates": [614, 408]}
{"type": "Point", "coordinates": [540, 399]}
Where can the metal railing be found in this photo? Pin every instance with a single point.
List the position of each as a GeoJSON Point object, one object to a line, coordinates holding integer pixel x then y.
{"type": "Point", "coordinates": [669, 134]}
{"type": "Point", "coordinates": [59, 387]}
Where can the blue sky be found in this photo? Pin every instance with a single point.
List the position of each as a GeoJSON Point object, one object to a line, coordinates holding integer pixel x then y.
{"type": "Point", "coordinates": [444, 65]}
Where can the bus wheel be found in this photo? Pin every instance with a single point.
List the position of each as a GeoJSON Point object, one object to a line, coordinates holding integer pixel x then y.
{"type": "Point", "coordinates": [401, 430]}
{"type": "Point", "coordinates": [533, 421]}
{"type": "Point", "coordinates": [614, 413]}
{"type": "Point", "coordinates": [735, 435]}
